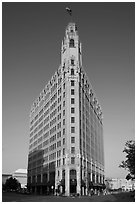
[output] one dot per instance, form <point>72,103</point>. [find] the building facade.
<point>66,152</point>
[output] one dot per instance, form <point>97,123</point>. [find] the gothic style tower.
<point>71,48</point>
<point>66,152</point>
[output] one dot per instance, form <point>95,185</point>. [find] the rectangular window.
<point>64,131</point>
<point>63,103</point>
<point>63,161</point>
<point>72,160</point>
<point>72,62</point>
<point>72,139</point>
<point>72,71</point>
<point>64,85</point>
<point>63,141</point>
<point>58,144</point>
<point>72,119</point>
<point>63,94</point>
<point>71,43</point>
<point>72,83</point>
<point>59,162</point>
<point>63,121</point>
<point>72,100</point>
<point>63,151</point>
<point>72,150</point>
<point>59,134</point>
<point>63,112</point>
<point>72,92</point>
<point>72,129</point>
<point>64,75</point>
<point>72,110</point>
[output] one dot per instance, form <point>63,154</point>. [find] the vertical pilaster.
<point>86,178</point>
<point>48,180</point>
<point>67,182</point>
<point>60,178</point>
<point>78,180</point>
<point>83,174</point>
<point>95,173</point>
<point>91,171</point>
<point>56,180</point>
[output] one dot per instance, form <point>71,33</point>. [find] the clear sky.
<point>32,35</point>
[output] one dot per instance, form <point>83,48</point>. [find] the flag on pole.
<point>69,11</point>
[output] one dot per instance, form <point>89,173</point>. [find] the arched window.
<point>71,43</point>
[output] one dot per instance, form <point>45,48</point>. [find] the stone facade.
<point>66,153</point>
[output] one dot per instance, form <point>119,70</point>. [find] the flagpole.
<point>71,18</point>
<point>69,12</point>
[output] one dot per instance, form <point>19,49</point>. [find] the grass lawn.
<point>14,197</point>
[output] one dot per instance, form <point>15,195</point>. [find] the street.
<point>120,197</point>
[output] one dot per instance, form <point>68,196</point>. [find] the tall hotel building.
<point>66,152</point>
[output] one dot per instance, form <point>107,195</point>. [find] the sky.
<point>31,47</point>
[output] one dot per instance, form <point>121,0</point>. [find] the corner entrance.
<point>73,181</point>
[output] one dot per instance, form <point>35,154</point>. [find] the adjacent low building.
<point>120,184</point>
<point>21,176</point>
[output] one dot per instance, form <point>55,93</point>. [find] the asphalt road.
<point>14,197</point>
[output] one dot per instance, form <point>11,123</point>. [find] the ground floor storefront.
<point>49,189</point>
<point>66,182</point>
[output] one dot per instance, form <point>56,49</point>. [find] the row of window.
<point>58,153</point>
<point>52,130</point>
<point>46,105</point>
<point>59,99</point>
<point>52,122</point>
<point>53,105</point>
<point>46,120</point>
<point>53,88</point>
<point>40,125</point>
<point>52,147</point>
<point>63,162</point>
<point>53,156</point>
<point>51,100</point>
<point>52,139</point>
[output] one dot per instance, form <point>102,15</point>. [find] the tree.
<point>12,184</point>
<point>129,163</point>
